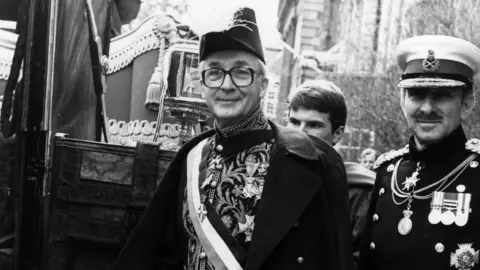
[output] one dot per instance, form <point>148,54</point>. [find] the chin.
<point>427,138</point>
<point>225,113</point>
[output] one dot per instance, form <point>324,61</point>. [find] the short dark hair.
<point>322,96</point>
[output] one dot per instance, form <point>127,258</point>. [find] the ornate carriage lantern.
<point>182,97</point>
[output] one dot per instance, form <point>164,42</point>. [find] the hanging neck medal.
<point>407,191</point>
<point>405,224</point>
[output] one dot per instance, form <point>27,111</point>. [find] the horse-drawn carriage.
<point>91,118</point>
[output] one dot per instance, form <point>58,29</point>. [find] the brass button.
<point>474,164</point>
<point>203,255</point>
<point>381,192</point>
<point>300,260</point>
<point>375,217</point>
<point>219,148</point>
<point>213,183</point>
<point>372,246</point>
<point>390,168</point>
<point>439,247</point>
<point>461,188</point>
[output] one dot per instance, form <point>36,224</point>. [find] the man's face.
<point>432,114</point>
<point>314,123</point>
<point>228,102</point>
<point>367,161</point>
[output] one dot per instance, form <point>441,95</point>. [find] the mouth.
<point>428,121</point>
<point>227,100</point>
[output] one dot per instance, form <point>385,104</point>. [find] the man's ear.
<point>264,87</point>
<point>338,134</point>
<point>468,102</point>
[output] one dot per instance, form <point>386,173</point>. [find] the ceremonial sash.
<point>216,249</point>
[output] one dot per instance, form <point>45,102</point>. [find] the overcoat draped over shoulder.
<point>302,220</point>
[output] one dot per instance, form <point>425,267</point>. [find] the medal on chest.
<point>465,257</point>
<point>445,207</point>
<point>405,224</point>
<point>449,208</point>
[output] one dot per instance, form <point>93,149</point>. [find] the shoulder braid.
<point>393,154</point>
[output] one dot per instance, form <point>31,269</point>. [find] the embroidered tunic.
<point>235,164</point>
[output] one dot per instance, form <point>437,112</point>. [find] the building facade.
<point>346,37</point>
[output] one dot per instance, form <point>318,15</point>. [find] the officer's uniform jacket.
<point>426,246</point>
<point>288,222</point>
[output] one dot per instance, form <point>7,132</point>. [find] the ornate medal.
<point>450,204</point>
<point>465,257</point>
<point>435,215</point>
<point>461,219</point>
<point>448,217</point>
<point>411,181</point>
<point>463,209</point>
<point>405,224</point>
<point>202,212</point>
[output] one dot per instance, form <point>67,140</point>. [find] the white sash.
<point>215,248</point>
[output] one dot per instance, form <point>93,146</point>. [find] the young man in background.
<point>318,108</point>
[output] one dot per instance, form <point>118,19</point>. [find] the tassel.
<point>155,85</point>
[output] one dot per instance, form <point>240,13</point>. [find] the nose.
<point>427,105</point>
<point>227,83</point>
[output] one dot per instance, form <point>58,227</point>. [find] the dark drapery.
<point>74,100</point>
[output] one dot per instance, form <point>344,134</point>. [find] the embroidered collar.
<point>256,121</point>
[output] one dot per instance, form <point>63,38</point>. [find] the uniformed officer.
<point>425,208</point>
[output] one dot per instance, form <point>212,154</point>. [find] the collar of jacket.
<point>453,145</point>
<point>291,141</point>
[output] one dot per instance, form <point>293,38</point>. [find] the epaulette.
<point>393,154</point>
<point>473,145</point>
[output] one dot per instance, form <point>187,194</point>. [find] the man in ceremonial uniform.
<point>247,194</point>
<point>318,108</point>
<point>424,212</point>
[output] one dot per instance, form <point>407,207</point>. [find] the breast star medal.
<point>405,224</point>
<point>411,181</point>
<point>464,258</point>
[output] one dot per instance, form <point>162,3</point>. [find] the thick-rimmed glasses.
<point>240,76</point>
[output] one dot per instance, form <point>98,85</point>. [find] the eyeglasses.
<point>240,76</point>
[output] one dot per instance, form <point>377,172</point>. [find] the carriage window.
<point>184,77</point>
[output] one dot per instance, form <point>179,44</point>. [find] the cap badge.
<point>465,257</point>
<point>430,64</point>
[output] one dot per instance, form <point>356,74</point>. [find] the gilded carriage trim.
<point>128,46</point>
<point>128,133</point>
